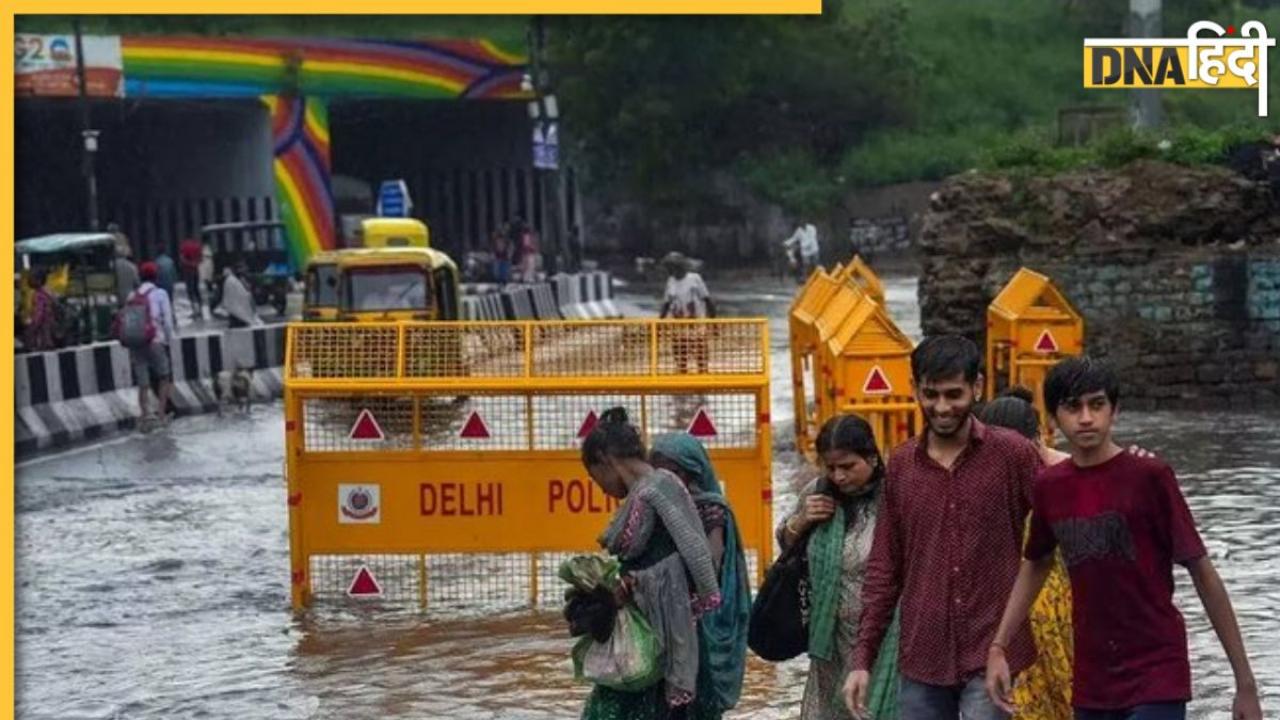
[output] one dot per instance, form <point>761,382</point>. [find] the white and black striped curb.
<point>579,296</point>
<point>86,392</point>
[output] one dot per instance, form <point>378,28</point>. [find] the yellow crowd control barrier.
<point>847,355</point>
<point>439,463</point>
<point>861,273</point>
<point>805,374</point>
<point>1030,326</point>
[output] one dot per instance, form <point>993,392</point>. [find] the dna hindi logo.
<point>1220,60</point>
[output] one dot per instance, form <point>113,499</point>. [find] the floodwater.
<point>152,580</point>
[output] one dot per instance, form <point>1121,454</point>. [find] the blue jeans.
<point>918,701</point>
<point>1153,711</point>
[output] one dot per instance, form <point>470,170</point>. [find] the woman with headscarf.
<point>722,633</point>
<point>1043,691</point>
<point>658,539</point>
<point>836,516</point>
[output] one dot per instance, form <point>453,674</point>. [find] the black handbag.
<point>779,627</point>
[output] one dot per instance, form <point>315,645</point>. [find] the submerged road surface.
<point>152,580</point>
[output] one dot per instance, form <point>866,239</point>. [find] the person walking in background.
<point>40,333</point>
<point>530,254</point>
<point>501,256</point>
<point>126,271</point>
<point>145,326</point>
<point>237,300</point>
<point>190,253</point>
<point>166,276</point>
<point>687,298</point>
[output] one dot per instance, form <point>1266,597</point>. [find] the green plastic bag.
<point>629,661</point>
<point>585,572</point>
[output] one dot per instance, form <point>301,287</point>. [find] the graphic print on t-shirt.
<point>1102,536</point>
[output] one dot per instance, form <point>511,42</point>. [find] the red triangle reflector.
<point>877,383</point>
<point>364,584</point>
<point>475,429</point>
<point>702,425</point>
<point>1046,343</point>
<point>588,425</point>
<point>366,427</point>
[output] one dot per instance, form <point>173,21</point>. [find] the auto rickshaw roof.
<point>373,257</point>
<point>233,226</point>
<point>331,257</point>
<point>63,243</point>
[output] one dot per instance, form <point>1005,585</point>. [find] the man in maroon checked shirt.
<point>948,540</point>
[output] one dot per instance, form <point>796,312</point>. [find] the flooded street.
<point>153,581</point>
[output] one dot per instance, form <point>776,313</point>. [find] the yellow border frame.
<point>316,7</point>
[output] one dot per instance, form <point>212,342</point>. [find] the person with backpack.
<point>145,326</point>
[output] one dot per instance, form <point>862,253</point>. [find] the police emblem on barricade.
<point>359,504</point>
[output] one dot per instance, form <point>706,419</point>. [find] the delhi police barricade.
<point>438,464</point>
<point>1030,327</point>
<point>848,356</point>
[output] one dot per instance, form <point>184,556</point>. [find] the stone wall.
<point>880,236</point>
<point>1176,272</point>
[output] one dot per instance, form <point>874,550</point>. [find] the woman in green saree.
<point>722,633</point>
<point>666,568</point>
<point>837,515</point>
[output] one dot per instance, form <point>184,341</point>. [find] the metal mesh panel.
<point>397,575</point>
<point>559,420</point>
<point>467,581</point>
<point>465,350</point>
<point>346,351</point>
<point>476,422</point>
<point>719,420</point>
<point>710,347</point>
<point>456,582</point>
<point>329,423</point>
<point>591,349</point>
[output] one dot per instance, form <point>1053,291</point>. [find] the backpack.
<point>133,325</point>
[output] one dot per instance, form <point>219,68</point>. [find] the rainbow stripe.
<point>300,133</point>
<point>172,66</point>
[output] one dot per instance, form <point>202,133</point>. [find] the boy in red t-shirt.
<point>1121,523</point>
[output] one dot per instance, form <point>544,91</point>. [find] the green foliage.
<point>656,105</point>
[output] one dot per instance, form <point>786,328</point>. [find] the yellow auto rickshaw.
<point>404,283</point>
<point>320,301</point>
<point>382,232</point>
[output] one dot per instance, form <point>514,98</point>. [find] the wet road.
<point>152,581</point>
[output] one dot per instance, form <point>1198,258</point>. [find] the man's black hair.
<point>614,436</point>
<point>945,356</point>
<point>1077,376</point>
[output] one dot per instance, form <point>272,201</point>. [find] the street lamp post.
<point>88,135</point>
<point>544,113</point>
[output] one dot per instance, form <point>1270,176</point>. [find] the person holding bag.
<point>831,528</point>
<point>666,569</point>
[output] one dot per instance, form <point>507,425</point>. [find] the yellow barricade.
<point>806,381</point>
<point>847,355</point>
<point>439,463</point>
<point>862,274</point>
<point>869,361</point>
<point>1030,327</point>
